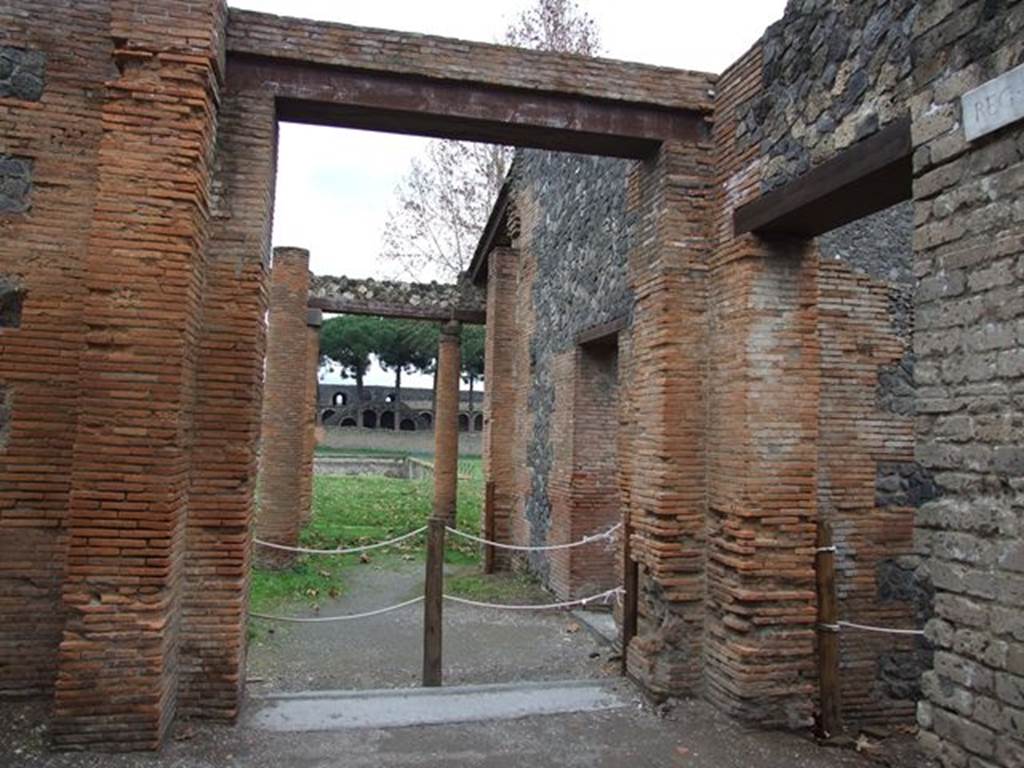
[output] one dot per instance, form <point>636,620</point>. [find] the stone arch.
<point>369,419</point>
<point>326,415</point>
<point>425,420</point>
<point>340,398</point>
<point>387,420</point>
<point>478,422</point>
<point>348,422</point>
<point>407,424</point>
<point>463,422</point>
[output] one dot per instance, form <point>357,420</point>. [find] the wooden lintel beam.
<point>319,94</point>
<point>605,333</point>
<point>868,177</point>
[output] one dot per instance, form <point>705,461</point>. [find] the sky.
<point>335,187</point>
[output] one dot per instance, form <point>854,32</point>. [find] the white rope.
<point>547,607</point>
<point>543,548</point>
<point>868,628</point>
<point>326,619</point>
<point>886,630</point>
<point>349,551</point>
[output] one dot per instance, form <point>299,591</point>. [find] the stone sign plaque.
<point>994,104</point>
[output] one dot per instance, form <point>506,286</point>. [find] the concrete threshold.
<point>398,708</point>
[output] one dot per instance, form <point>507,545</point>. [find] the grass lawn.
<point>349,511</point>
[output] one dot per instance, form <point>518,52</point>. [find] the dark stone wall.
<point>577,228</point>
<point>969,347</point>
<point>835,71</point>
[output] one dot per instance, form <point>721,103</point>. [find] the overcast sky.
<point>335,186</point>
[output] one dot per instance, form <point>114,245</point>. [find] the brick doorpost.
<point>446,422</point>
<point>284,407</point>
<point>229,393</point>
<point>500,392</point>
<point>667,498</point>
<point>117,663</point>
<point>314,319</point>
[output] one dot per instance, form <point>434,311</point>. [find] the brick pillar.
<point>284,406</point>
<point>446,422</point>
<point>762,445</point>
<point>499,394</point>
<point>314,319</point>
<point>667,500</point>
<point>229,391</point>
<point>117,680</point>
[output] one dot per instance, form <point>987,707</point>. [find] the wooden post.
<point>631,598</point>
<point>828,634</point>
<point>433,602</point>
<point>489,526</point>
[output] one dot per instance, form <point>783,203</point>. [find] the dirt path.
<point>480,646</point>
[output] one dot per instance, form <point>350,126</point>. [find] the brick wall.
<point>42,252</point>
<point>970,367</point>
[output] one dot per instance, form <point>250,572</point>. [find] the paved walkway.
<point>691,736</point>
<point>598,721</point>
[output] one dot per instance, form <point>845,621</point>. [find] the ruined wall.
<point>868,483</point>
<point>969,347</point>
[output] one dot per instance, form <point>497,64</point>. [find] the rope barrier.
<point>546,607</point>
<point>349,551</point>
<point>607,535</point>
<point>464,601</point>
<point>327,619</point>
<point>868,628</point>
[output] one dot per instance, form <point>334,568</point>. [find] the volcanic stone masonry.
<point>872,377</point>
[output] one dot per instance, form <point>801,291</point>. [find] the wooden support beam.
<point>605,333</point>
<point>433,603</point>
<point>828,632</point>
<point>870,176</point>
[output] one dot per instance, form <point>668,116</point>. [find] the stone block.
<point>15,184</point>
<point>22,73</point>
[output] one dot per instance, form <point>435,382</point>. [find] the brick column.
<point>284,400</point>
<point>314,319</point>
<point>229,392</point>
<point>446,422</point>
<point>499,394</point>
<point>117,679</point>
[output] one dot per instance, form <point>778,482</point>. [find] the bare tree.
<point>443,202</point>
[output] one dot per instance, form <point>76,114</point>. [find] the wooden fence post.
<point>828,634</point>
<point>631,598</point>
<point>433,602</point>
<point>489,526</point>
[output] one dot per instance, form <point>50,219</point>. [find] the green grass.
<point>351,511</point>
